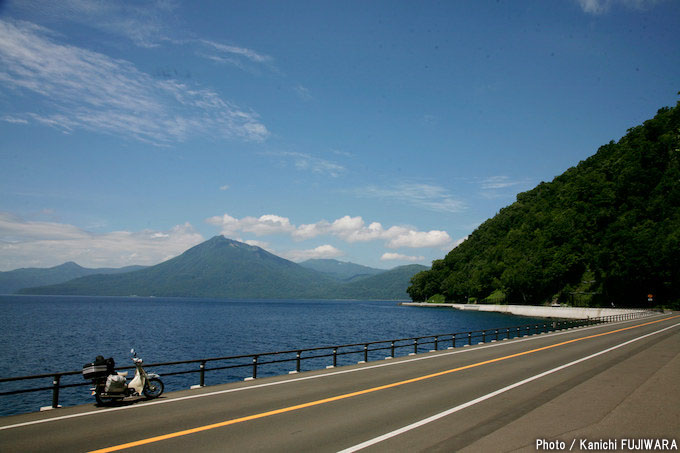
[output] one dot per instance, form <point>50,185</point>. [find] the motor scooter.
<point>111,386</point>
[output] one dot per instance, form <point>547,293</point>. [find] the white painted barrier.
<point>535,311</point>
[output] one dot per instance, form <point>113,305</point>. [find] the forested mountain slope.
<point>606,231</point>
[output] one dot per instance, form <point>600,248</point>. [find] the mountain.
<point>340,270</point>
<point>604,232</point>
<point>389,285</point>
<point>223,268</point>
<point>218,267</point>
<point>12,281</point>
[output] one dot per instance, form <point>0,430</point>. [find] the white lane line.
<point>404,360</point>
<point>448,412</point>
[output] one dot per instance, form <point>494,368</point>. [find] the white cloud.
<point>322,251</point>
<point>418,239</point>
<point>307,162</point>
<point>498,182</point>
<point>602,6</point>
<point>140,22</point>
<point>495,186</point>
<point>224,187</point>
<point>10,119</point>
<point>264,225</point>
<point>242,58</point>
<point>44,244</point>
<point>349,229</point>
<point>261,244</point>
<point>400,257</point>
<point>237,51</point>
<point>303,93</point>
<point>82,89</point>
<point>426,196</point>
<point>146,23</point>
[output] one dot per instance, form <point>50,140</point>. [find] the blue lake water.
<point>47,334</point>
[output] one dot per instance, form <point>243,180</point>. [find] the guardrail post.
<point>365,353</point>
<point>202,374</point>
<point>436,343</point>
<point>496,334</point>
<point>297,361</point>
<point>453,340</point>
<point>335,357</point>
<point>508,333</point>
<point>483,336</point>
<point>254,367</point>
<point>415,346</point>
<point>392,350</point>
<point>55,391</point>
<point>469,338</point>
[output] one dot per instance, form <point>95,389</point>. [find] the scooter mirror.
<point>132,351</point>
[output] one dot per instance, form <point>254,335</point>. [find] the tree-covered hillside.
<point>606,231</point>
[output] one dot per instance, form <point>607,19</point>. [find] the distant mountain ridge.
<point>341,270</point>
<point>13,281</point>
<point>389,284</point>
<point>224,268</point>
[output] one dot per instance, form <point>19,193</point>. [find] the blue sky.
<point>381,133</point>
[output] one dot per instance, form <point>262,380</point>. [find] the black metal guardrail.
<point>414,344</point>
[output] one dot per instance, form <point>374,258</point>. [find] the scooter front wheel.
<point>154,388</point>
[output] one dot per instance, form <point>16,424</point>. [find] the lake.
<point>47,334</point>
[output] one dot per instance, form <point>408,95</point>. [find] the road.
<point>608,382</point>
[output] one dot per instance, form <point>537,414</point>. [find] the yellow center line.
<point>360,392</point>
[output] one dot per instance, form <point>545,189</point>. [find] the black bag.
<point>111,365</point>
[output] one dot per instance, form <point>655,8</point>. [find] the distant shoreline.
<point>534,311</point>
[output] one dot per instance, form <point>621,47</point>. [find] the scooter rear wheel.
<point>154,388</point>
<point>103,401</point>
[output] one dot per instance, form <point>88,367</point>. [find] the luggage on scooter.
<point>115,384</point>
<point>98,369</point>
<point>92,371</point>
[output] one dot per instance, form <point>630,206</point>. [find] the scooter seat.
<point>122,373</point>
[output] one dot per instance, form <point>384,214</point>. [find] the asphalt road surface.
<point>563,391</point>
